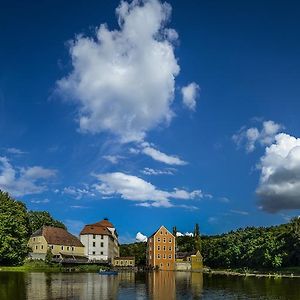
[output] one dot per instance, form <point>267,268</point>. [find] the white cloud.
<point>189,95</point>
<point>133,188</point>
<point>15,151</point>
<point>150,171</point>
<point>140,237</point>
<point>162,157</point>
<point>178,233</point>
<point>279,186</point>
<point>252,136</point>
<point>114,159</point>
<point>43,201</point>
<point>123,80</point>
<point>25,181</point>
<point>239,212</point>
<point>78,193</point>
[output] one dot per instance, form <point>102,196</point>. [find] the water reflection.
<point>156,285</point>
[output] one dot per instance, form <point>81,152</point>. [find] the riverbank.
<point>292,272</point>
<point>40,266</point>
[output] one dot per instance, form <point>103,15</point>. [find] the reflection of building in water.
<point>126,276</point>
<point>71,286</point>
<point>196,283</point>
<point>162,285</point>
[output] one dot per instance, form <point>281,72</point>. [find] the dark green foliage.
<point>49,256</point>
<point>136,249</point>
<point>272,247</point>
<point>14,230</point>
<point>38,219</point>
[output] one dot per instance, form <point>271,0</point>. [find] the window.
<point>170,240</point>
<point>117,262</point>
<point>68,248</point>
<point>166,233</point>
<point>94,252</point>
<point>161,265</point>
<point>42,247</point>
<point>94,236</point>
<point>170,255</point>
<point>73,249</point>
<point>158,255</point>
<point>158,239</point>
<point>150,240</point>
<point>130,262</point>
<point>164,240</point>
<point>36,247</point>
<point>102,244</point>
<point>164,248</point>
<point>158,248</point>
<point>52,247</point>
<point>101,236</point>
<point>170,248</point>
<point>62,247</point>
<point>164,256</point>
<point>168,265</point>
<point>150,257</point>
<point>101,252</point>
<point>161,232</point>
<point>94,244</point>
<point>121,262</point>
<point>34,239</point>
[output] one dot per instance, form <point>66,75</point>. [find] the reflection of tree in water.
<point>12,286</point>
<point>189,283</point>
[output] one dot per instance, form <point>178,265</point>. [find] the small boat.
<point>108,273</point>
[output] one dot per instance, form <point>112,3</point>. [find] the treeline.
<point>16,226</point>
<point>251,247</point>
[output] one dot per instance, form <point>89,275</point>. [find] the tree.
<point>197,238</point>
<point>174,231</point>
<point>38,219</point>
<point>49,256</point>
<point>14,230</point>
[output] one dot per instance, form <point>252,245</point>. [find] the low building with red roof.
<point>58,240</point>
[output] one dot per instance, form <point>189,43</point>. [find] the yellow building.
<point>161,250</point>
<point>189,261</point>
<point>60,241</point>
<point>124,262</point>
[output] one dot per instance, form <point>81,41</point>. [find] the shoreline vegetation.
<point>40,266</point>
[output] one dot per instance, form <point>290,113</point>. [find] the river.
<point>157,285</point>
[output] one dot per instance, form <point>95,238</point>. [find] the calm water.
<point>161,285</point>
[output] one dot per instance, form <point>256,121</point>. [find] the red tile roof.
<point>98,228</point>
<point>58,236</point>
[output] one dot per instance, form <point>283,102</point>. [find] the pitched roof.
<point>98,228</point>
<point>162,226</point>
<point>95,229</point>
<point>58,236</point>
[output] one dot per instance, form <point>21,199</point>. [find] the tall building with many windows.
<point>100,241</point>
<point>161,250</point>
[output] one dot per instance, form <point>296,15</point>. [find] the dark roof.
<point>58,236</point>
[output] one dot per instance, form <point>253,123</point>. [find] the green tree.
<point>38,219</point>
<point>49,256</point>
<point>197,238</point>
<point>14,230</point>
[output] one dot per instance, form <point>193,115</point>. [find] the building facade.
<point>124,262</point>
<point>58,240</point>
<point>161,250</point>
<point>100,241</point>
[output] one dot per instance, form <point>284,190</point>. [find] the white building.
<point>100,241</point>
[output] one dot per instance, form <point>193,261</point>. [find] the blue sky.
<point>174,114</point>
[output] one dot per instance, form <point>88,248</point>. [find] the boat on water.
<point>111,273</point>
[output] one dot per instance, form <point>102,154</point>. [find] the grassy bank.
<point>40,266</point>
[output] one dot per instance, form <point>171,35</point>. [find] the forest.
<point>252,247</point>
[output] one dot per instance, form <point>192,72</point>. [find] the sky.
<point>152,113</point>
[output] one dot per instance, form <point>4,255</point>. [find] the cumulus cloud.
<point>190,94</point>
<point>123,80</point>
<point>160,156</point>
<point>133,188</point>
<point>24,181</point>
<point>150,171</point>
<point>184,234</point>
<point>140,237</point>
<point>279,186</point>
<point>250,137</point>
